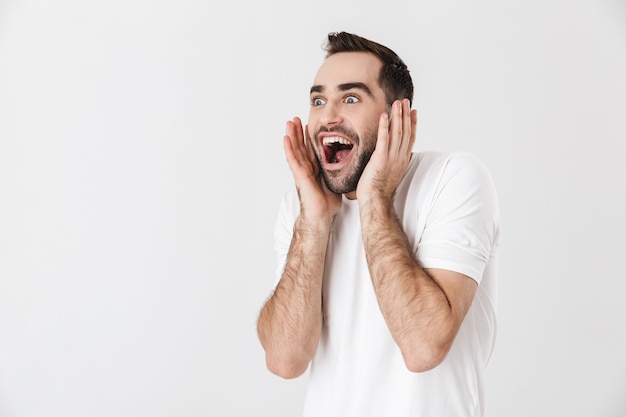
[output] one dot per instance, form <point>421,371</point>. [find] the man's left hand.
<point>390,159</point>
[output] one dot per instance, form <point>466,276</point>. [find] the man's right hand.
<point>317,202</point>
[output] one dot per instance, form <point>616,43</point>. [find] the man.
<point>386,257</point>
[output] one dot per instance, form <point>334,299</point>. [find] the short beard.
<point>351,181</point>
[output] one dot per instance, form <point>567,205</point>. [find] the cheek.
<point>370,123</point>
<point>370,137</point>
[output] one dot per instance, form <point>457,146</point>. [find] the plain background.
<point>141,168</point>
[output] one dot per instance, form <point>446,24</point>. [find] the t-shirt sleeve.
<point>283,230</point>
<point>462,225</point>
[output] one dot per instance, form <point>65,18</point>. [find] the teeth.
<point>335,139</point>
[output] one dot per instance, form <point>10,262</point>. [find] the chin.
<point>341,183</point>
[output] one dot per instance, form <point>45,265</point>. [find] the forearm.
<point>290,323</point>
<point>415,308</point>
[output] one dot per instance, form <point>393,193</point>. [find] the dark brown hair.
<point>394,77</point>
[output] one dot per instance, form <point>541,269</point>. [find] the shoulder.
<point>446,160</point>
<point>446,182</point>
<point>440,167</point>
<point>432,168</point>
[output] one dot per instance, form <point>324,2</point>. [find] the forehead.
<point>348,67</point>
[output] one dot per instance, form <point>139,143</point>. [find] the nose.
<point>331,114</point>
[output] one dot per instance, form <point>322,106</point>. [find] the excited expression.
<point>346,104</point>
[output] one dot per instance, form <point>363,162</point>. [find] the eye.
<point>317,101</point>
<point>352,99</point>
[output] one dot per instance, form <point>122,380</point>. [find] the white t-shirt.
<point>448,208</point>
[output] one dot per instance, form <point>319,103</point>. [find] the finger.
<point>310,151</point>
<point>294,132</point>
<point>293,144</point>
<point>382,143</point>
<point>413,130</point>
<point>290,131</point>
<point>298,129</point>
<point>395,133</point>
<point>406,128</point>
<point>290,155</point>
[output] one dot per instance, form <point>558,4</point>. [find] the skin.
<point>423,308</point>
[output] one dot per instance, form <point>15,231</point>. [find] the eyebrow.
<point>345,87</point>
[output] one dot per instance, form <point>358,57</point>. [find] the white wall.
<point>141,168</point>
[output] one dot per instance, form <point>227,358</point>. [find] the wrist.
<point>315,224</point>
<point>376,200</point>
<point>378,192</point>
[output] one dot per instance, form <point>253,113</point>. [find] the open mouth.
<point>336,149</point>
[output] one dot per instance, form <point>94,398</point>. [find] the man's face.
<point>346,104</point>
